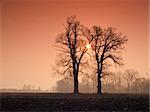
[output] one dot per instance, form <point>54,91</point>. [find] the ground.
<point>71,102</point>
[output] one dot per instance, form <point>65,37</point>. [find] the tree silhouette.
<point>129,77</point>
<point>113,80</point>
<point>107,44</point>
<point>72,44</point>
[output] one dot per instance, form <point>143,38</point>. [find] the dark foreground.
<point>70,102</point>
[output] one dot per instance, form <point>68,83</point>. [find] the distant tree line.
<point>128,81</point>
<point>27,88</point>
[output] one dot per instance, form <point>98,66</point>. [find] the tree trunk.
<point>75,73</point>
<point>93,85</point>
<point>99,87</point>
<point>128,88</point>
<point>76,91</point>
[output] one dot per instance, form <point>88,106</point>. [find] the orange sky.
<point>29,29</point>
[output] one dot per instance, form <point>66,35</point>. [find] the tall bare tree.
<point>107,45</point>
<point>72,44</point>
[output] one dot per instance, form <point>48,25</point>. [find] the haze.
<point>29,28</point>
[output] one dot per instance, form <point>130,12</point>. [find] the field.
<point>70,102</point>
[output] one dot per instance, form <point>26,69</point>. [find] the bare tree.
<point>107,45</point>
<point>129,77</point>
<point>113,79</point>
<point>64,85</point>
<point>72,44</point>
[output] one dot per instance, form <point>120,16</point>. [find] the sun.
<point>88,46</point>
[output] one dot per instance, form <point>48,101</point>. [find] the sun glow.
<point>88,46</point>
